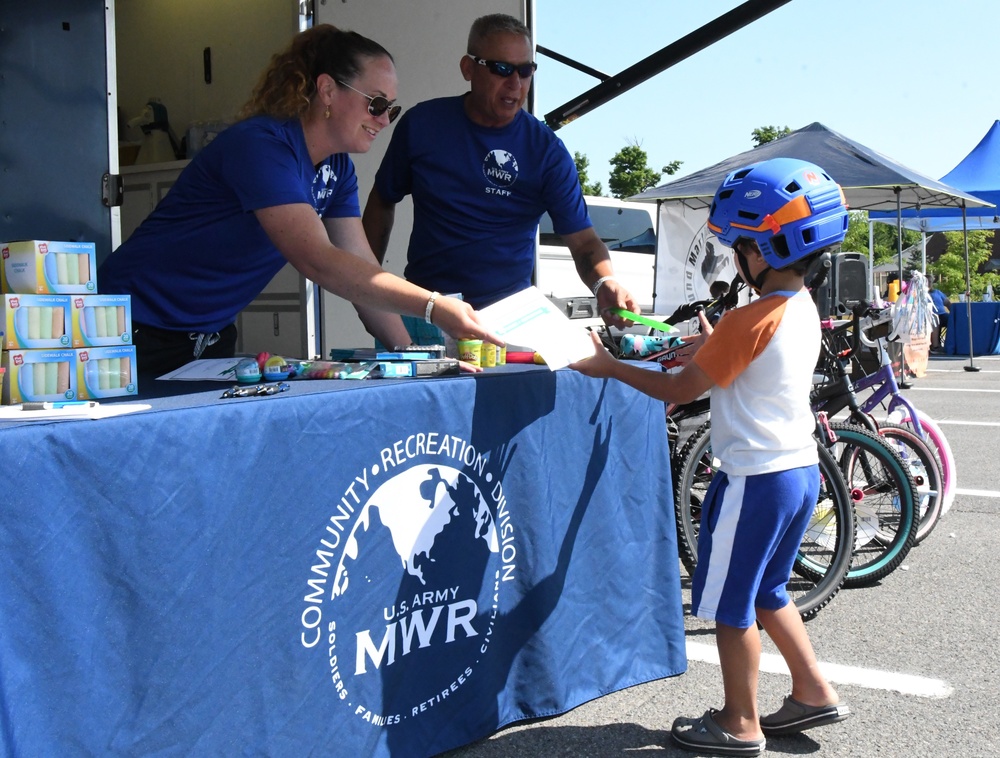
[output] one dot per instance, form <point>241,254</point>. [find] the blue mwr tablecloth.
<point>985,329</point>
<point>372,568</point>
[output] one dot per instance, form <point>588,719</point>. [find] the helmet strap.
<point>756,283</point>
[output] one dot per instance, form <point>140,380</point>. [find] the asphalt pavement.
<point>915,656</point>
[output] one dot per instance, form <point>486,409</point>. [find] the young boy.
<point>777,216</point>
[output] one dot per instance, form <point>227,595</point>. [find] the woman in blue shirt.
<point>278,186</point>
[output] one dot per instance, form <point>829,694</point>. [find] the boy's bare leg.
<point>739,656</point>
<point>786,629</point>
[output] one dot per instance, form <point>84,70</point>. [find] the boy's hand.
<point>683,355</point>
<point>601,365</point>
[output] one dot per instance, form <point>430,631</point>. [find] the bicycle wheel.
<point>923,467</point>
<point>693,469</point>
<point>825,554</point>
<point>938,444</point>
<point>885,511</point>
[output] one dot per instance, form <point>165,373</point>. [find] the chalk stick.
<point>72,270</point>
<point>34,318</point>
<point>52,378</point>
<point>110,321</point>
<point>44,322</point>
<point>84,264</point>
<point>89,322</point>
<point>62,380</point>
<point>62,275</point>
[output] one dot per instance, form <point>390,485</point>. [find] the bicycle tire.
<point>692,476</point>
<point>884,496</point>
<point>938,443</point>
<point>825,554</point>
<point>926,473</point>
<point>827,546</point>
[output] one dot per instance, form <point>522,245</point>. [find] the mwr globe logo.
<point>323,184</point>
<point>406,583</point>
<point>500,168</point>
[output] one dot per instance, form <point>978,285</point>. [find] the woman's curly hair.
<point>288,84</point>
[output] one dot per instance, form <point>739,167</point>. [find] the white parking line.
<point>969,423</point>
<point>873,679</point>
<point>977,493</point>
<point>948,389</point>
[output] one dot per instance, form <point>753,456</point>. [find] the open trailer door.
<point>56,132</point>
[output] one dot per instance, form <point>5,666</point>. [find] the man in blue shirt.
<point>942,306</point>
<point>482,171</point>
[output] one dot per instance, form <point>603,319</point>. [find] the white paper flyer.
<point>530,319</point>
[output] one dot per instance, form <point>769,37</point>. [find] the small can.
<point>502,356</point>
<point>488,357</point>
<point>470,351</point>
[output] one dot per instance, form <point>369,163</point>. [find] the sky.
<point>912,79</point>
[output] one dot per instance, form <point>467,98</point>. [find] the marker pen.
<point>49,406</point>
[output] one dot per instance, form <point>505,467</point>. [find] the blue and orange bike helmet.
<point>791,208</point>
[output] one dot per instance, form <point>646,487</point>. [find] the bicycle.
<point>836,392</point>
<point>899,410</point>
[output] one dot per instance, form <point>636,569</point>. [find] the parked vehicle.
<point>629,231</point>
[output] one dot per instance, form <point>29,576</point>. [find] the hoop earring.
<point>326,113</point>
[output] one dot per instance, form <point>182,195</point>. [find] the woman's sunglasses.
<point>500,68</point>
<point>377,105</point>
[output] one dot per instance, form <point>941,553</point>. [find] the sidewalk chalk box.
<point>101,320</point>
<point>39,375</point>
<point>36,322</point>
<point>418,368</point>
<point>41,267</point>
<point>106,372</point>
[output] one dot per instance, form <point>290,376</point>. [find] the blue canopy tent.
<point>978,174</point>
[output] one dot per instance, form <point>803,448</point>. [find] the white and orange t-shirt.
<point>761,358</point>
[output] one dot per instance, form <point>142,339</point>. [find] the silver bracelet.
<point>430,307</point>
<point>600,282</point>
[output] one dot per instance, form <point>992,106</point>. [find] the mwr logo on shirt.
<point>323,186</point>
<point>500,170</point>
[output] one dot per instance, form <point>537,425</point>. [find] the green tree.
<point>582,164</point>
<point>764,134</point>
<point>630,173</point>
<point>949,269</point>
<point>885,246</point>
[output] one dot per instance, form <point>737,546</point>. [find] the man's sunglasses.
<point>377,105</point>
<point>500,68</point>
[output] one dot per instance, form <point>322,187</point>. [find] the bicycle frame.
<point>842,392</point>
<point>883,380</point>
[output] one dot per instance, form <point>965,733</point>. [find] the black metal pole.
<point>903,384</point>
<point>648,67</point>
<point>968,289</point>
